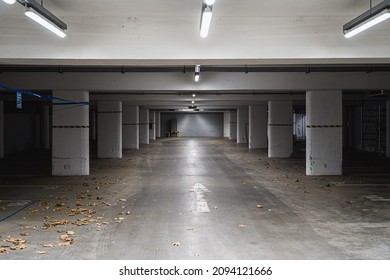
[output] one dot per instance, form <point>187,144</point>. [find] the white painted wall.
<point>233,125</point>
<point>226,124</point>
<point>242,125</point>
<point>143,125</point>
<point>195,124</point>
<point>258,126</point>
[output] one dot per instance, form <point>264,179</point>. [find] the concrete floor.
<point>197,199</point>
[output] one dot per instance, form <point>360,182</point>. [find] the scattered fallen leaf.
<point>259,206</point>
<point>128,213</point>
<point>3,208</point>
<point>123,200</point>
<point>25,234</point>
<point>176,244</point>
<point>41,252</point>
<point>99,198</point>
<point>70,232</point>
<point>242,226</point>
<point>64,244</point>
<point>106,204</point>
<point>61,204</point>
<point>18,247</point>
<point>3,251</point>
<point>48,245</point>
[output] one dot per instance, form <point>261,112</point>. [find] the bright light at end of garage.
<point>13,1</point>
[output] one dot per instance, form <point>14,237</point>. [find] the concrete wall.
<point>18,132</point>
<point>226,124</point>
<point>194,124</point>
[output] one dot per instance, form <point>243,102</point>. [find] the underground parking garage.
<point>182,151</point>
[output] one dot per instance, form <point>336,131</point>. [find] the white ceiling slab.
<point>165,32</point>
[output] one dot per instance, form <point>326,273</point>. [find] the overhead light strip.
<point>372,17</point>
<point>44,22</point>
<point>206,16</point>
<point>10,2</point>
<point>41,15</point>
<point>197,73</point>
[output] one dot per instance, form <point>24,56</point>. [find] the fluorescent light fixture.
<point>197,73</point>
<point>193,95</point>
<point>375,15</point>
<point>209,2</point>
<point>10,2</point>
<point>205,21</point>
<point>45,23</point>
<point>193,102</point>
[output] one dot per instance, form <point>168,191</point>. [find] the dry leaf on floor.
<point>64,244</point>
<point>3,251</point>
<point>41,252</point>
<point>19,247</point>
<point>3,208</point>
<point>242,226</point>
<point>25,234</point>
<point>70,232</point>
<point>259,206</point>
<point>123,200</point>
<point>106,204</point>
<point>176,244</point>
<point>61,204</point>
<point>48,245</point>
<point>128,213</point>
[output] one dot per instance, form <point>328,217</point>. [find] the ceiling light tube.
<point>10,2</point>
<point>197,73</point>
<point>44,22</point>
<point>205,20</point>
<point>375,15</point>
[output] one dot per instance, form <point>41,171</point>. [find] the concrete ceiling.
<point>165,32</point>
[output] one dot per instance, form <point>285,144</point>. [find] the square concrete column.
<point>242,125</point>
<point>130,127</point>
<point>152,125</point>
<point>158,124</point>
<point>324,146</point>
<point>280,129</point>
<point>109,129</point>
<point>70,141</point>
<point>258,124</point>
<point>226,124</point>
<point>1,129</point>
<point>143,126</point>
<point>233,125</point>
<point>388,128</point>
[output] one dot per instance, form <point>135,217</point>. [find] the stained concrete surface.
<point>142,206</point>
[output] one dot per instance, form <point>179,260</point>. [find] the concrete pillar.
<point>226,124</point>
<point>130,127</point>
<point>242,125</point>
<point>233,125</point>
<point>280,129</point>
<point>388,128</point>
<point>45,127</point>
<point>70,156</point>
<point>109,129</point>
<point>324,146</point>
<point>158,124</point>
<point>258,123</point>
<point>152,125</point>
<point>1,129</point>
<point>143,126</point>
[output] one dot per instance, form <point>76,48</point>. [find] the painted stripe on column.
<point>109,112</point>
<point>70,126</point>
<point>130,123</point>
<point>280,124</point>
<point>323,126</point>
<point>144,123</point>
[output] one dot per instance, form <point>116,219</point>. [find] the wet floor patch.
<point>8,208</point>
